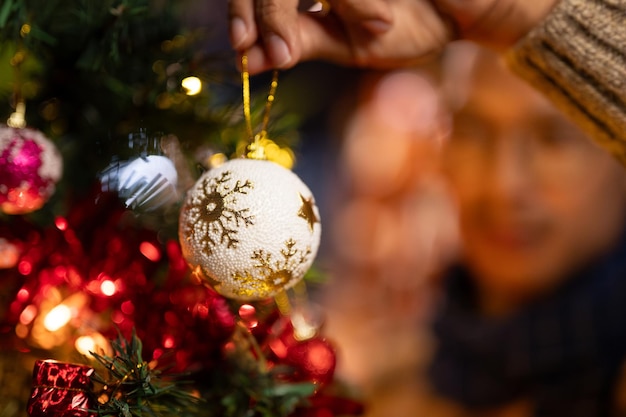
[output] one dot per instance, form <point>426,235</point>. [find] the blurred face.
<point>537,199</point>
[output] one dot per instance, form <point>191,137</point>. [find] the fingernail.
<point>278,50</point>
<point>238,32</point>
<point>377,26</point>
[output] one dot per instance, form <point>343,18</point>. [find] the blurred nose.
<point>510,167</point>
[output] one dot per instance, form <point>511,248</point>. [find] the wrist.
<point>531,14</point>
<point>502,23</point>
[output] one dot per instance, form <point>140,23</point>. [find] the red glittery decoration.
<point>98,250</point>
<point>191,321</point>
<point>61,390</point>
<point>312,360</point>
<point>24,187</point>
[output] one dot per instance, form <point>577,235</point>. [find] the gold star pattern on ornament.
<point>307,211</point>
<point>212,218</point>
<point>269,277</point>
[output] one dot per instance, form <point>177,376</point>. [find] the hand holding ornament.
<point>374,33</point>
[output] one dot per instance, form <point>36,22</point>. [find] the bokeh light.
<point>107,287</point>
<point>191,85</point>
<point>58,317</point>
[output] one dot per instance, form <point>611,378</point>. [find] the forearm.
<point>577,57</point>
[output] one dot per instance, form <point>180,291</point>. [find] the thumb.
<point>374,15</point>
<point>278,27</point>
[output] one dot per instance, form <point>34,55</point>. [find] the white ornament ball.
<point>30,167</point>
<point>146,183</point>
<point>251,226</point>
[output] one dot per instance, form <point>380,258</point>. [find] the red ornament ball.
<point>313,360</point>
<point>30,166</point>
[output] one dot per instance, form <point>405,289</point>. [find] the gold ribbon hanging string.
<point>17,119</point>
<point>255,148</point>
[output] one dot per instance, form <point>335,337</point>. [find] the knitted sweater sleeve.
<point>577,58</point>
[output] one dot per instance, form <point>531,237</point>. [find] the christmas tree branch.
<point>130,387</point>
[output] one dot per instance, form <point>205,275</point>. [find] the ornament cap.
<point>17,120</point>
<point>256,149</point>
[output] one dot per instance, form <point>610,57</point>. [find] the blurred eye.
<point>471,142</point>
<point>470,129</point>
<point>558,132</point>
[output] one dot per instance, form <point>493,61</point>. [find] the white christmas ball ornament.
<point>251,226</point>
<point>146,183</point>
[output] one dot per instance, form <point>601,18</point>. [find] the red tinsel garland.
<point>127,278</point>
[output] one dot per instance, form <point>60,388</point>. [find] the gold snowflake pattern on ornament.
<point>212,218</point>
<point>307,211</point>
<point>270,276</point>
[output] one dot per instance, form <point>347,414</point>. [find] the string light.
<point>191,85</point>
<point>84,345</point>
<point>93,342</point>
<point>150,251</point>
<point>107,287</point>
<point>58,317</point>
<point>24,30</point>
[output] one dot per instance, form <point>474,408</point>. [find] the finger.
<point>374,15</point>
<point>258,60</point>
<point>242,26</point>
<point>278,25</point>
<point>322,38</point>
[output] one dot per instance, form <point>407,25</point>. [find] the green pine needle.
<point>235,387</point>
<point>130,388</point>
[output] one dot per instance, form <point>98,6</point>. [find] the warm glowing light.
<point>85,345</point>
<point>24,30</point>
<point>93,286</point>
<point>9,254</point>
<point>201,310</point>
<point>168,342</point>
<point>60,223</point>
<point>22,295</point>
<point>229,346</point>
<point>150,251</point>
<point>127,307</point>
<point>247,313</point>
<point>302,329</point>
<point>21,331</point>
<point>117,317</point>
<point>28,314</point>
<point>60,271</point>
<point>192,85</point>
<point>107,287</point>
<point>93,342</point>
<point>157,354</point>
<point>24,267</point>
<point>58,317</point>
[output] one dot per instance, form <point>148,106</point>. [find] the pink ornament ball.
<point>30,166</point>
